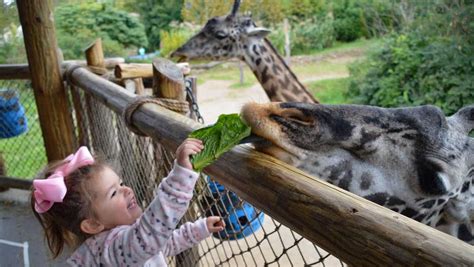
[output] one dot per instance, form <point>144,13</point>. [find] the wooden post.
<point>36,19</point>
<point>241,73</point>
<point>100,118</point>
<point>168,82</point>
<point>286,30</point>
<point>3,171</point>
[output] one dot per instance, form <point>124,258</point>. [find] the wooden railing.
<point>353,229</point>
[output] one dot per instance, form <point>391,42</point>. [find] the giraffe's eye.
<point>221,35</point>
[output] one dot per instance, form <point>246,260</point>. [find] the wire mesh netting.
<point>251,238</point>
<point>21,143</point>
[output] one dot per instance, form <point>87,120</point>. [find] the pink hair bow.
<point>53,189</point>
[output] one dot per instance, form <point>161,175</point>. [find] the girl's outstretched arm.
<point>134,245</point>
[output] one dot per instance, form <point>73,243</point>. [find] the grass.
<point>331,91</point>
<point>338,47</point>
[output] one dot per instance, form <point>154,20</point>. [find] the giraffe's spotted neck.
<point>276,78</point>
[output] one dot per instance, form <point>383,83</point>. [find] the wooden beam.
<point>18,183</point>
<point>22,71</point>
<point>14,72</point>
<point>137,70</point>
<point>351,228</point>
<point>133,70</point>
<point>36,19</point>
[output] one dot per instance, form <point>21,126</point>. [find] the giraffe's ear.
<point>258,32</point>
<point>464,118</point>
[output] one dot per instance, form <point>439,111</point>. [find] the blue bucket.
<point>241,218</point>
<point>12,114</point>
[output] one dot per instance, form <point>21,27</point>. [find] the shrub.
<point>414,69</point>
<point>312,34</point>
<point>348,19</point>
<point>354,19</point>
<point>173,39</point>
<point>277,38</point>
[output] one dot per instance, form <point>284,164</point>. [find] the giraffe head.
<point>223,37</point>
<point>412,160</point>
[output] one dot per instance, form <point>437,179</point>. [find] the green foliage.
<point>8,15</point>
<point>299,10</point>
<point>173,39</point>
<point>219,138</point>
<point>12,48</point>
<point>277,38</point>
<point>423,65</point>
<point>330,91</point>
<point>354,19</point>
<point>157,17</point>
<point>312,34</point>
<point>79,24</point>
<point>348,24</point>
<point>268,12</point>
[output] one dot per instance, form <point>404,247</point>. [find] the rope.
<point>171,104</point>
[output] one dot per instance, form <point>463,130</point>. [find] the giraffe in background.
<point>235,36</point>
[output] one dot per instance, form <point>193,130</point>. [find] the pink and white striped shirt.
<point>154,235</point>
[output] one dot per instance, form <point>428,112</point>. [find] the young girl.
<point>83,202</point>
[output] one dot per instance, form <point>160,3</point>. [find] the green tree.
<point>157,16</point>
<point>8,15</point>
<point>79,24</point>
<point>300,10</point>
<point>267,11</point>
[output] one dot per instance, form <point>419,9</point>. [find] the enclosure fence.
<point>251,238</point>
<point>323,214</point>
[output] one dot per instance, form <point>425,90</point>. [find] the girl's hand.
<point>190,146</point>
<point>215,224</point>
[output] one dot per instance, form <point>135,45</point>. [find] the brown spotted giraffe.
<point>235,36</point>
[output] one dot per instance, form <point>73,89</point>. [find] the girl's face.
<point>113,203</point>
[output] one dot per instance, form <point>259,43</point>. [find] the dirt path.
<point>215,97</point>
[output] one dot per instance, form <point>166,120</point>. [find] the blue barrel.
<point>12,114</point>
<point>241,218</point>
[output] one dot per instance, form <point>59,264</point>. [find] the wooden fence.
<point>353,229</point>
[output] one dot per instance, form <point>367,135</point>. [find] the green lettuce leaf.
<point>218,139</point>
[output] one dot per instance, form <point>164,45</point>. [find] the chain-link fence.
<point>21,142</point>
<point>251,238</point>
